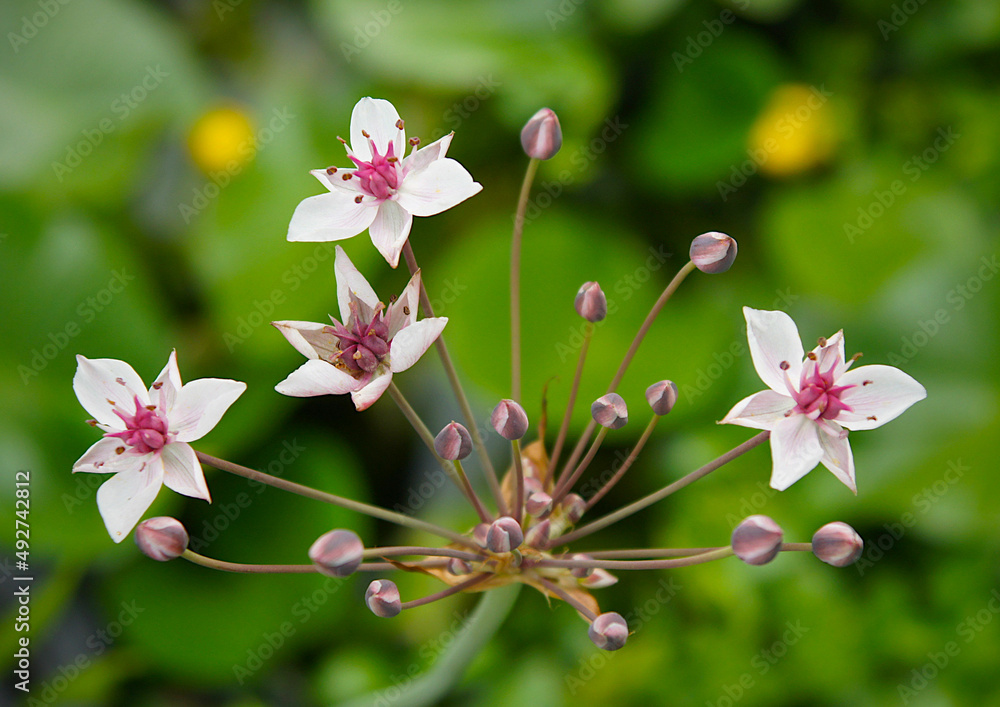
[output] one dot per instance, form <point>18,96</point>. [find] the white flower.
<point>386,190</point>
<point>813,398</point>
<point>359,355</point>
<point>146,434</point>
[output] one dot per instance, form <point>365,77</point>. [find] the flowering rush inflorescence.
<point>528,526</point>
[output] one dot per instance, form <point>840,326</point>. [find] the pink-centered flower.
<point>145,444</point>
<point>359,353</point>
<point>814,397</point>
<point>384,190</point>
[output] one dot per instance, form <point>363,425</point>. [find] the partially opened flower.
<point>385,190</point>
<point>358,354</point>
<point>813,397</point>
<point>146,434</point>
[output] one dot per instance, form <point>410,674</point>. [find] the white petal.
<point>182,471</point>
<point>761,410</point>
<point>773,339</point>
<point>419,160</point>
<point>438,187</point>
<point>881,393</point>
<point>372,390</point>
<point>316,378</point>
<point>329,217</point>
<point>412,341</point>
<point>101,384</point>
<point>294,332</point>
<point>349,279</point>
<point>163,392</point>
<point>103,457</point>
<point>833,352</point>
<point>837,456</point>
<point>795,450</point>
<point>124,497</point>
<point>200,405</point>
<point>378,118</point>
<point>403,312</point>
<point>390,230</point>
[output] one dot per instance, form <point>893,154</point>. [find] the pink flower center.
<point>145,431</point>
<point>363,344</point>
<point>818,396</point>
<point>380,177</point>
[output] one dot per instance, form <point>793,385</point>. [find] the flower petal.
<point>378,118</point>
<point>831,355</point>
<point>403,312</point>
<point>412,341</point>
<point>419,160</point>
<point>316,378</point>
<point>795,450</point>
<point>336,181</point>
<point>773,339</point>
<point>349,279</point>
<point>101,384</point>
<point>438,187</point>
<point>164,390</point>
<point>308,338</point>
<point>103,457</point>
<point>761,410</point>
<point>837,455</point>
<point>329,217</point>
<point>124,497</point>
<point>365,396</point>
<point>200,405</point>
<point>182,471</point>
<point>390,230</point>
<point>880,393</point>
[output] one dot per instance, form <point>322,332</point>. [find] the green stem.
<point>515,281</point>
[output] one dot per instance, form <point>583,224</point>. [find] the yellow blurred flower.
<point>222,139</point>
<point>795,131</point>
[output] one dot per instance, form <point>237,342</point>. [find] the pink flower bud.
<point>837,544</point>
<point>581,572</point>
<point>382,598</point>
<point>538,535</point>
<point>573,507</point>
<point>757,540</point>
<point>479,534</point>
<point>337,553</point>
<point>541,137</point>
<point>599,579</point>
<point>713,252</point>
<point>505,534</point>
<point>162,538</point>
<point>610,411</point>
<point>453,442</point>
<point>609,631</point>
<point>509,420</point>
<point>458,567</point>
<point>662,397</point>
<point>590,302</point>
<point>538,504</point>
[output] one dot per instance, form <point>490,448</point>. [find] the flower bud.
<point>713,252</point>
<point>610,411</point>
<point>505,534</point>
<point>382,597</point>
<point>608,631</point>
<point>573,507</point>
<point>757,540</point>
<point>337,553</point>
<point>541,136</point>
<point>479,534</point>
<point>662,397</point>
<point>837,544</point>
<point>598,579</point>
<point>581,572</point>
<point>509,420</point>
<point>590,302</point>
<point>538,534</point>
<point>162,538</point>
<point>454,442</point>
<point>538,504</point>
<point>458,567</point>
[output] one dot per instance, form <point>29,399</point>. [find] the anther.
<point>358,199</point>
<point>157,385</point>
<point>345,176</point>
<point>856,356</point>
<point>811,356</point>
<point>365,133</point>
<point>822,341</point>
<point>331,170</point>
<point>120,450</point>
<point>872,418</point>
<point>406,311</point>
<point>399,125</point>
<point>414,141</point>
<point>120,381</point>
<point>784,365</point>
<point>867,382</point>
<point>150,407</point>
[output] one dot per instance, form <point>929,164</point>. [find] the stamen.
<point>399,124</point>
<point>92,423</point>
<point>365,133</point>
<point>406,311</point>
<point>150,407</point>
<point>358,199</point>
<point>342,140</point>
<point>392,160</point>
<point>784,365</point>
<point>811,356</point>
<point>157,385</point>
<point>110,402</point>
<point>414,141</point>
<point>867,382</point>
<point>331,170</point>
<point>872,418</point>
<point>856,356</point>
<point>822,341</point>
<point>120,450</point>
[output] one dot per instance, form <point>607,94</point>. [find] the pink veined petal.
<point>412,341</point>
<point>350,279</point>
<point>774,338</point>
<point>316,378</point>
<point>163,392</point>
<point>293,331</point>
<point>880,393</point>
<point>419,160</point>
<point>378,118</point>
<point>390,230</point>
<point>403,312</point>
<point>837,456</point>
<point>761,410</point>
<point>200,405</point>
<point>329,217</point>
<point>795,450</point>
<point>436,188</point>
<point>182,471</point>
<point>366,396</point>
<point>101,384</point>
<point>124,497</point>
<point>103,457</point>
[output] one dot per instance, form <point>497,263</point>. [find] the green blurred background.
<point>151,155</point>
